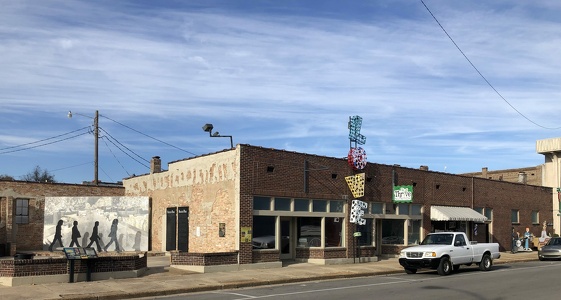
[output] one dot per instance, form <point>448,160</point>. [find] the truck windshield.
<point>438,239</point>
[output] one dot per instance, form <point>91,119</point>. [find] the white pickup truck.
<point>446,251</point>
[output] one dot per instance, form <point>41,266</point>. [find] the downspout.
<point>472,193</point>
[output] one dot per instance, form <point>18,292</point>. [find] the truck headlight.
<point>430,254</point>
<point>402,255</point>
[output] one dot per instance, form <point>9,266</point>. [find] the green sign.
<point>402,194</point>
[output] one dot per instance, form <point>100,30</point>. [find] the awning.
<point>452,213</point>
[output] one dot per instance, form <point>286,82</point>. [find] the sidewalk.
<point>162,280</point>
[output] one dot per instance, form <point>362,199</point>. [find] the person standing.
<point>58,235</point>
<point>95,237</point>
<point>514,239</point>
<point>75,235</point>
<point>527,236</point>
<point>113,236</point>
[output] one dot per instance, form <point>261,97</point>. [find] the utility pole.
<point>96,138</point>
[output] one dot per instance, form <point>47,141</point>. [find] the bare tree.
<point>6,177</point>
<point>39,175</point>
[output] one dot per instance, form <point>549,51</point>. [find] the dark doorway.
<point>171,222</point>
<point>183,229</point>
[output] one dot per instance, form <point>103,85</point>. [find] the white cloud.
<point>288,80</point>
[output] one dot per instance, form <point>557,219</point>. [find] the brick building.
<point>22,208</point>
<point>547,174</point>
<point>265,205</point>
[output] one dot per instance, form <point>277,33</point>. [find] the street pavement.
<point>160,279</point>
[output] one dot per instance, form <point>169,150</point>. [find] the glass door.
<point>286,238</point>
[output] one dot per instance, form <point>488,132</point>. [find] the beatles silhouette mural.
<point>122,221</point>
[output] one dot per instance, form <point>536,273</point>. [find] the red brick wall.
<point>266,256</point>
<point>288,179</point>
<point>203,259</point>
<point>30,236</point>
<point>55,266</point>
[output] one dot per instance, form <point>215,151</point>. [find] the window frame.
<point>535,217</point>
<point>515,216</point>
<point>22,217</point>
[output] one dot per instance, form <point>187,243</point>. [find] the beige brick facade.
<point>209,186</point>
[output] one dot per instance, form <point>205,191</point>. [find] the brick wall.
<point>266,256</point>
<point>533,175</point>
<point>325,180</point>
<point>56,266</point>
<point>203,259</point>
<point>208,186</point>
<point>28,237</point>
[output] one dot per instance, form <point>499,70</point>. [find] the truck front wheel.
<point>445,267</point>
<point>486,263</point>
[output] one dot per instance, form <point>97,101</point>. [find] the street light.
<point>96,138</point>
<point>208,128</point>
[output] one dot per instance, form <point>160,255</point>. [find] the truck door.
<point>463,254</point>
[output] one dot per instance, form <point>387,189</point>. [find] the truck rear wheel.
<point>445,267</point>
<point>486,263</point>
<point>410,271</point>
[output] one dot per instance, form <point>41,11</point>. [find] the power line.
<point>127,154</point>
<point>50,143</point>
<point>39,141</point>
<point>69,167</point>
<point>144,134</point>
<point>116,157</point>
<point>480,74</point>
<point>114,139</point>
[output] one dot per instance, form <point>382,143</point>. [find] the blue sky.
<point>278,74</point>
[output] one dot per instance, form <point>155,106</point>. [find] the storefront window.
<point>403,209</point>
<point>416,209</point>
<point>309,232</point>
<point>336,206</point>
<point>261,203</point>
<point>377,208</point>
<point>390,209</point>
<point>333,232</point>
<point>319,205</point>
<point>301,205</point>
<point>264,232</point>
<point>366,233</point>
<point>414,232</point>
<point>282,204</point>
<point>392,232</point>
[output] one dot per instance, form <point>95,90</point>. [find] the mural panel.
<point>105,223</point>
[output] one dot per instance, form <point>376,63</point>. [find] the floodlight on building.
<point>208,128</point>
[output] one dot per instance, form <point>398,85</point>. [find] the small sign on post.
<point>77,253</point>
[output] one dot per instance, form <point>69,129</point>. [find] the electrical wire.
<point>69,167</point>
<point>127,154</point>
<point>480,74</point>
<point>50,143</point>
<point>144,134</point>
<point>102,170</point>
<point>39,141</point>
<point>104,140</point>
<point>112,138</point>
